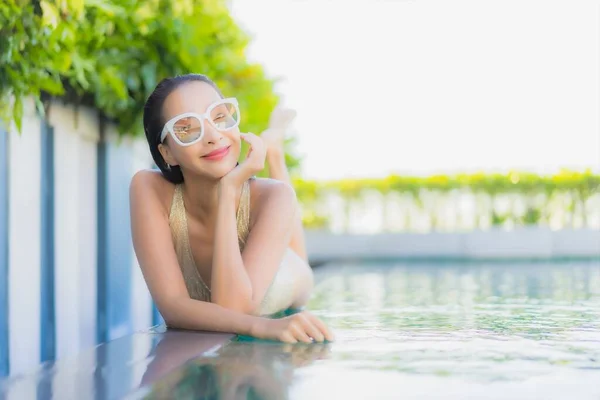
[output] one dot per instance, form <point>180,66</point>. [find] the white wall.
<point>24,243</point>
<point>75,234</point>
<point>75,139</point>
<point>87,227</point>
<point>141,302</point>
<point>527,242</point>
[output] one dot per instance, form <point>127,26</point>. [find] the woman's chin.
<point>220,169</point>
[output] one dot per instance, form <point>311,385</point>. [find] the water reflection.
<point>416,329</point>
<point>482,322</point>
<point>227,370</point>
<point>174,348</point>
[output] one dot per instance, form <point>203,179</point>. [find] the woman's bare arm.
<point>154,249</point>
<point>240,281</point>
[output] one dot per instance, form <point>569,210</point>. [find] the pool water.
<point>424,331</point>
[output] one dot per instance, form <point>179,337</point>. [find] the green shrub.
<point>110,54</point>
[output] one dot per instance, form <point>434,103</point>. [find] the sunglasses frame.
<point>168,128</point>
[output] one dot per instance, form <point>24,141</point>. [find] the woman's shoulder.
<point>149,184</point>
<point>266,193</point>
<point>263,188</point>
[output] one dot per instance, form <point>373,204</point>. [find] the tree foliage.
<point>110,54</point>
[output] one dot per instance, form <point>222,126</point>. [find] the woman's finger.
<point>254,141</point>
<point>250,137</point>
<point>288,338</point>
<point>311,329</point>
<point>257,152</point>
<point>321,326</point>
<point>298,331</point>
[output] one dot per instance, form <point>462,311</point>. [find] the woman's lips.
<point>217,154</point>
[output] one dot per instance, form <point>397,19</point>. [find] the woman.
<point>219,249</point>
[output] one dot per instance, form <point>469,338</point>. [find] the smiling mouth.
<point>217,154</point>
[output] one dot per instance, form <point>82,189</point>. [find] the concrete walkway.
<point>523,243</point>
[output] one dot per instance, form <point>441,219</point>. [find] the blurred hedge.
<point>110,54</point>
<point>578,186</point>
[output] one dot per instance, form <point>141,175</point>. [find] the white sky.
<point>427,86</point>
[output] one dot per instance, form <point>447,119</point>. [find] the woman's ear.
<point>165,152</point>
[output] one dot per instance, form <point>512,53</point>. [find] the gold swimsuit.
<point>282,291</point>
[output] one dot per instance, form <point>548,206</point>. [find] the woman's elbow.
<point>241,304</point>
<point>172,313</point>
<point>171,319</point>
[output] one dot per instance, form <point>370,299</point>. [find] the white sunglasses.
<point>188,128</point>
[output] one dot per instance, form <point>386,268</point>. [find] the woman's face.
<point>199,158</point>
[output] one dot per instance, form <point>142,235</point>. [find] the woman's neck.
<point>201,198</point>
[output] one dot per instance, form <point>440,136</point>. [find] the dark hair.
<point>154,120</point>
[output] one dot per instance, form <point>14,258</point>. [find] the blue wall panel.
<point>114,241</point>
<point>119,241</point>
<point>101,268</point>
<point>47,301</point>
<point>157,319</point>
<point>4,162</point>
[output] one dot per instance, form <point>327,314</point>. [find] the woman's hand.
<point>254,162</point>
<point>302,327</point>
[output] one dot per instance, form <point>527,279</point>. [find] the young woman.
<point>220,250</point>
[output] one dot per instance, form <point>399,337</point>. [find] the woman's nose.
<point>211,134</point>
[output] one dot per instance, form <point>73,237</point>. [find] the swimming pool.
<point>420,330</point>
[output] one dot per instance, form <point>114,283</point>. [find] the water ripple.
<point>483,323</point>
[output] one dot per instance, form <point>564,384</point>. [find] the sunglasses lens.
<point>225,116</point>
<point>187,129</point>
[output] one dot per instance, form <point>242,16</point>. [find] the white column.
<point>75,137</point>
<point>66,238</point>
<point>24,244</point>
<point>88,227</point>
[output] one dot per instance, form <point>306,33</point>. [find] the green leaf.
<point>76,7</point>
<point>39,106</point>
<point>50,13</point>
<point>65,50</point>
<point>149,76</point>
<point>106,7</point>
<point>18,113</point>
